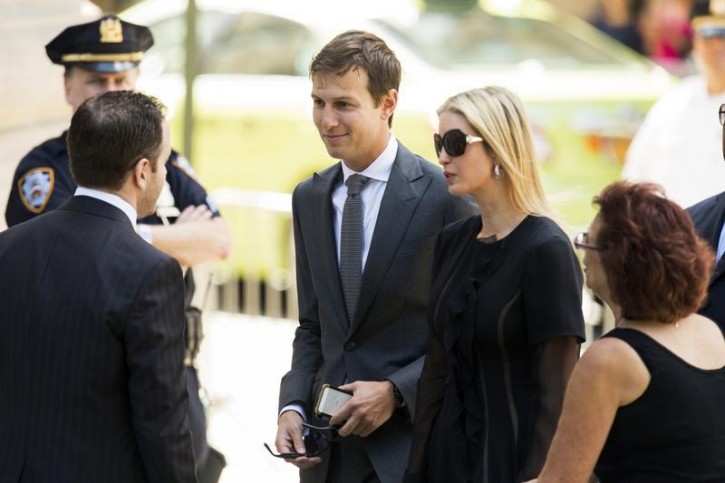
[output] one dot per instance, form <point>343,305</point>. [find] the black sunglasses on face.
<point>454,142</point>
<point>722,114</point>
<point>317,441</point>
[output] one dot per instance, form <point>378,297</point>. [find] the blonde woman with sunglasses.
<point>505,312</point>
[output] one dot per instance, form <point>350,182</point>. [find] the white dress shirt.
<point>372,195</point>
<point>679,145</point>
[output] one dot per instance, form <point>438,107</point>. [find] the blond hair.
<point>497,115</point>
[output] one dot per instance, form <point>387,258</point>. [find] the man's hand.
<point>289,439</point>
<point>372,404</point>
<point>194,213</point>
<point>196,237</point>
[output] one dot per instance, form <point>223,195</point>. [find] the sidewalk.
<point>241,362</point>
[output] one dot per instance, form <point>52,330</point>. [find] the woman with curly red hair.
<point>644,403</point>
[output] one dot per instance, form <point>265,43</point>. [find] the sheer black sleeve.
<point>553,362</point>
<point>430,384</point>
<point>430,394</point>
<point>552,303</point>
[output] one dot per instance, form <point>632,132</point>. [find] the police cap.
<point>108,44</point>
<point>708,18</point>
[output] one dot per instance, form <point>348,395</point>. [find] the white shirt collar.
<point>379,169</point>
<point>112,199</point>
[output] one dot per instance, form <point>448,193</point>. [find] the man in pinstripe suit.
<point>100,56</point>
<point>92,317</point>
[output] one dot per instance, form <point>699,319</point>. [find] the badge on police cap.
<point>108,44</point>
<point>35,188</point>
<point>111,31</point>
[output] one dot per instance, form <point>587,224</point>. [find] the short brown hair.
<point>110,133</point>
<point>356,49</point>
<point>657,267</point>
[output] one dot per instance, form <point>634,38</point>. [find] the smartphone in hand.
<point>331,400</point>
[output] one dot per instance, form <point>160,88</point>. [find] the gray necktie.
<point>351,243</point>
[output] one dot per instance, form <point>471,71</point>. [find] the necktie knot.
<point>355,184</point>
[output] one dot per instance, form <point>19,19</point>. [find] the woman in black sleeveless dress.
<point>645,403</point>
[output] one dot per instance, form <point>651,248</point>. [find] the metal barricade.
<point>258,277</point>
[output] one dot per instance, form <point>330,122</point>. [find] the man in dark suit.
<point>709,218</point>
<point>97,57</point>
<point>91,357</point>
<point>362,314</point>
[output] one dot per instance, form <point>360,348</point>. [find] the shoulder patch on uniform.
<point>35,188</point>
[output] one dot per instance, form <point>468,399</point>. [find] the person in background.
<point>676,146</point>
<point>645,402</point>
<point>505,313</point>
<point>364,231</point>
<point>98,57</point>
<point>620,20</point>
<point>709,219</point>
<point>93,317</point>
<point>666,32</point>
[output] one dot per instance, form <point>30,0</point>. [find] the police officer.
<point>102,56</point>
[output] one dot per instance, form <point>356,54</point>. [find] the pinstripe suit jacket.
<point>91,381</point>
<point>388,337</point>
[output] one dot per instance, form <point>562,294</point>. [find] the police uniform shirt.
<point>43,181</point>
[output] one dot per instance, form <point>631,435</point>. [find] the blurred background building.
<point>30,93</point>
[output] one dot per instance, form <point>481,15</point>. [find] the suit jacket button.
<point>350,346</point>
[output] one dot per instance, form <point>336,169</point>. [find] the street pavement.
<point>241,362</point>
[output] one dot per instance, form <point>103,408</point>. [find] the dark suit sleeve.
<point>296,386</point>
<point>406,380</point>
<point>430,390</point>
<point>429,397</point>
<point>707,217</point>
<point>154,337</point>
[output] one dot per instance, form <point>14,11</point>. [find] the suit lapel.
<point>402,194</point>
<point>719,270</point>
<point>322,210</point>
<point>712,234</point>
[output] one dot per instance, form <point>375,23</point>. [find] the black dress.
<point>506,323</point>
<point>675,431</point>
